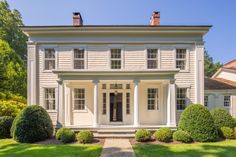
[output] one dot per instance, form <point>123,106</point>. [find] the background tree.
<point>10,31</point>
<point>209,66</point>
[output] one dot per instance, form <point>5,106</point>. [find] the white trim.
<point>153,46</point>
<point>42,50</point>
<point>85,110</point>
<point>85,47</point>
<point>116,46</point>
<point>187,64</point>
<point>56,98</point>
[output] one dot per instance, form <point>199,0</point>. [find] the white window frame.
<point>80,59</point>
<point>85,56</point>
<point>153,46</point>
<point>42,51</point>
<point>127,103</point>
<point>56,97</point>
<point>104,103</point>
<point>73,99</point>
<point>186,99</point>
<point>187,69</point>
<point>206,100</point>
<point>156,99</point>
<point>121,47</point>
<point>156,59</point>
<point>228,101</point>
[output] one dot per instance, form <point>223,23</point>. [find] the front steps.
<point>110,133</point>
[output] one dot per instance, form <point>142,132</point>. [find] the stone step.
<point>115,131</point>
<point>111,135</point>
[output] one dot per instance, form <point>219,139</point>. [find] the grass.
<point>225,148</point>
<point>10,148</point>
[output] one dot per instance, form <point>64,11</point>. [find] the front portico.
<point>101,99</point>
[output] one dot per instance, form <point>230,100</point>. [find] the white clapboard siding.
<point>65,58</point>
<point>167,58</point>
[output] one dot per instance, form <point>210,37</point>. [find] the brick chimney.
<point>77,19</point>
<point>155,19</point>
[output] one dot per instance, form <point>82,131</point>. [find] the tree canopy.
<point>209,66</point>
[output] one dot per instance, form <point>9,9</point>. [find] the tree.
<point>10,31</point>
<point>13,71</point>
<point>209,66</point>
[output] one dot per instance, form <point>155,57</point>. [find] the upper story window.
<point>152,58</point>
<point>79,59</point>
<point>152,98</point>
<point>49,98</point>
<point>181,59</point>
<point>226,101</point>
<point>49,58</point>
<point>115,58</point>
<point>181,98</point>
<point>79,98</point>
<point>206,100</point>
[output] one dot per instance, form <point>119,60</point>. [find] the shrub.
<point>65,135</point>
<point>163,135</point>
<point>85,136</point>
<point>31,125</point>
<point>182,136</point>
<point>142,135</point>
<point>5,126</point>
<point>234,119</point>
<point>10,107</point>
<point>227,132</point>
<point>222,118</point>
<point>198,122</point>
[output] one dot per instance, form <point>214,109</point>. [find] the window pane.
<point>49,53</point>
<point>116,64</point>
<point>181,97</point>
<point>127,103</point>
<point>180,64</point>
<point>152,53</point>
<point>79,99</point>
<point>227,101</point>
<point>181,59</point>
<point>104,104</point>
<point>181,54</point>
<point>205,100</point>
<point>49,59</point>
<point>152,64</point>
<point>79,64</point>
<point>152,98</point>
<point>79,53</point>
<point>115,53</point>
<point>49,98</point>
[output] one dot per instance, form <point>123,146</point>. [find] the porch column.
<point>67,108</point>
<point>95,103</point>
<point>136,105</point>
<point>60,106</point>
<point>171,104</point>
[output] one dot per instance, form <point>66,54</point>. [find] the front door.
<point>116,107</point>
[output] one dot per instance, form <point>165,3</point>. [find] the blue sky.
<point>220,41</point>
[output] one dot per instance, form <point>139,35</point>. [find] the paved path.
<point>117,148</point>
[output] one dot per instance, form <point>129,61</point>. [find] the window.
<point>181,97</point>
<point>78,58</point>
<point>152,58</point>
<point>115,58</point>
<point>49,62</point>
<point>79,98</point>
<point>206,100</point>
<point>104,103</point>
<point>152,95</point>
<point>49,99</point>
<point>116,86</point>
<point>127,86</point>
<point>226,101</point>
<point>127,103</point>
<point>181,59</point>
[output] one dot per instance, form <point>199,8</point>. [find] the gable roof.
<point>230,65</point>
<point>219,84</point>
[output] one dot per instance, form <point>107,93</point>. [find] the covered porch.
<point>116,100</point>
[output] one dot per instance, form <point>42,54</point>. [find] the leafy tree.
<point>209,66</point>
<point>10,22</point>
<point>13,71</point>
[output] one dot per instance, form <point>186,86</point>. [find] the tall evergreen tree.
<point>209,66</point>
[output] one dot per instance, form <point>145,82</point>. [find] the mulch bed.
<point>152,141</point>
<point>99,141</point>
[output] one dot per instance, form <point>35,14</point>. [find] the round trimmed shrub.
<point>65,135</point>
<point>31,125</point>
<point>142,135</point>
<point>198,122</point>
<point>5,126</point>
<point>182,136</point>
<point>163,135</point>
<point>222,118</point>
<point>85,136</point>
<point>227,132</point>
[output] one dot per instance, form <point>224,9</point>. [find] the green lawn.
<point>218,149</point>
<point>10,148</point>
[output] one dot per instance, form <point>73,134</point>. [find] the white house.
<point>220,90</point>
<point>102,76</point>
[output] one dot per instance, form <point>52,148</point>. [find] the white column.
<point>60,102</point>
<point>136,104</point>
<point>171,104</point>
<point>95,103</point>
<point>67,104</point>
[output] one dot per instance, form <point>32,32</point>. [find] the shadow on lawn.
<point>36,150</point>
<point>206,150</point>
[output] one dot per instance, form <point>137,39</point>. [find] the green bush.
<point>227,132</point>
<point>31,125</point>
<point>222,118</point>
<point>7,95</point>
<point>10,108</point>
<point>84,136</point>
<point>198,122</point>
<point>5,126</point>
<point>163,135</point>
<point>234,119</point>
<point>65,135</point>
<point>142,135</point>
<point>182,136</point>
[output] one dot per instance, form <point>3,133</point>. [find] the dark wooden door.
<point>116,107</point>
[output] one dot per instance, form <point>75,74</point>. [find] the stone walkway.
<point>117,148</point>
